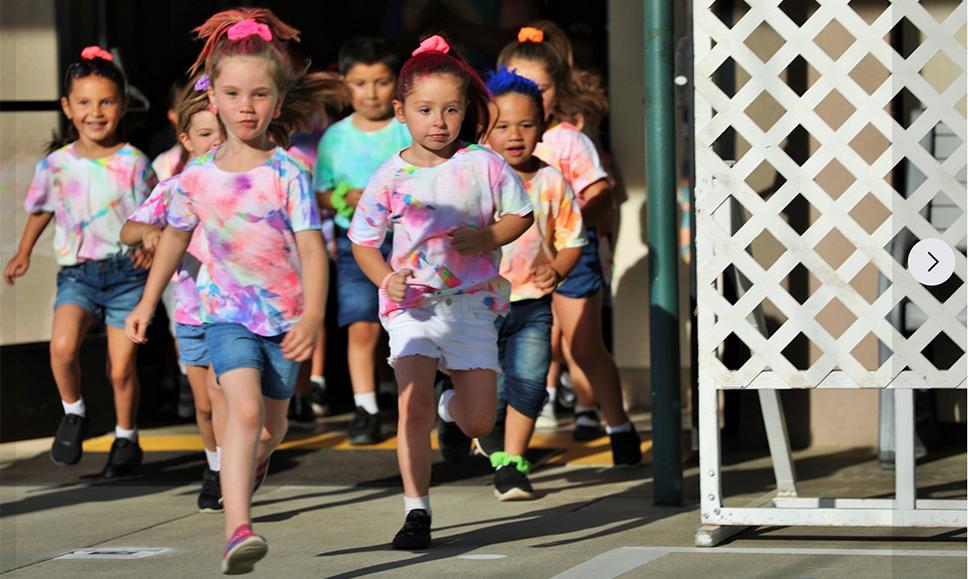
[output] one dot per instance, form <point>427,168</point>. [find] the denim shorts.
<point>587,278</point>
<point>524,348</point>
<point>107,288</point>
<point>192,350</point>
<point>357,299</point>
<point>233,346</point>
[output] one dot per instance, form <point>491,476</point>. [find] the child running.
<point>198,131</point>
<point>577,302</point>
<point>261,284</point>
<point>535,264</point>
<point>451,205</point>
<point>349,153</point>
<point>89,183</point>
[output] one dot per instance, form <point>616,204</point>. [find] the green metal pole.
<point>663,255</point>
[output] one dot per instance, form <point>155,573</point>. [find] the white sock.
<point>131,434</point>
<point>410,504</point>
<point>319,381</point>
<point>442,408</point>
<point>627,427</point>
<point>77,408</point>
<point>214,458</point>
<point>552,393</point>
<point>585,420</point>
<point>368,401</point>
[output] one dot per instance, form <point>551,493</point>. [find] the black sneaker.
<point>626,448</point>
<point>67,448</point>
<point>415,533</point>
<point>301,412</point>
<point>365,427</point>
<point>492,442</point>
<point>584,429</point>
<point>124,458</point>
<point>210,497</point>
<point>454,445</point>
<point>510,484</point>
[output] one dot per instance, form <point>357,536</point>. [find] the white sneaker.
<point>547,418</point>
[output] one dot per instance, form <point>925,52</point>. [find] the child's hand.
<point>396,285</point>
<point>300,341</point>
<point>353,197</point>
<point>16,267</point>
<point>150,239</point>
<point>471,241</point>
<point>545,278</point>
<point>141,258</point>
<point>136,324</point>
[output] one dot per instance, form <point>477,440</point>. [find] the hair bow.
<point>248,27</point>
<point>434,43</point>
<point>92,52</point>
<point>531,34</point>
<point>202,84</point>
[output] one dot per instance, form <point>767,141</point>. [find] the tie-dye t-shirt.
<point>166,164</point>
<point>423,205</point>
<point>557,225</point>
<point>348,154</point>
<point>90,199</point>
<point>154,212</point>
<point>570,151</point>
<point>250,273</point>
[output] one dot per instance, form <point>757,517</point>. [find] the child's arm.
<point>471,241</point>
<point>597,204</point>
<point>174,242</point>
<point>393,283</point>
<point>546,277</point>
<point>135,233</point>
<point>300,341</point>
<point>20,262</point>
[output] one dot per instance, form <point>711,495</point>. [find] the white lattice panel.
<point>846,110</point>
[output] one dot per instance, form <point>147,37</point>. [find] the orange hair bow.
<point>92,52</point>
<point>530,34</point>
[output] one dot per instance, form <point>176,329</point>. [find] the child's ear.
<point>66,107</point>
<point>398,111</point>
<point>186,142</point>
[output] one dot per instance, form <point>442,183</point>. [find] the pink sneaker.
<point>242,551</point>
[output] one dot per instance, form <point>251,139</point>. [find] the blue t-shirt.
<point>348,154</point>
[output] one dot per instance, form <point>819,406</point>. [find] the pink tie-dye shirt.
<point>250,273</point>
<point>90,200</point>
<point>154,212</point>
<point>167,164</point>
<point>570,151</point>
<point>557,225</point>
<point>423,205</point>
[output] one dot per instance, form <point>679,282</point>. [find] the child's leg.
<point>197,379</point>
<point>557,357</point>
<point>124,377</point>
<point>216,398</point>
<point>362,340</point>
<point>594,367</point>
<point>275,426</point>
<point>526,355</point>
<point>71,323</point>
<point>319,355</point>
<point>418,414</point>
<point>474,403</point>
<point>244,419</point>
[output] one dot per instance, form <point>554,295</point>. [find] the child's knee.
<point>417,415</point>
<point>477,425</point>
<point>121,375</point>
<point>63,350</point>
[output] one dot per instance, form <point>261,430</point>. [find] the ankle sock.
<point>627,427</point>
<point>552,394</point>
<point>77,408</point>
<point>319,381</point>
<point>214,458</point>
<point>367,401</point>
<point>443,409</point>
<point>410,504</point>
<point>130,434</point>
<point>585,420</point>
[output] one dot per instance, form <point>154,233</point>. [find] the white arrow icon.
<point>931,261</point>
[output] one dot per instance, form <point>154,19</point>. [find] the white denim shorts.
<point>458,331</point>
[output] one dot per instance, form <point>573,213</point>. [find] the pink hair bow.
<point>248,27</point>
<point>92,52</point>
<point>434,43</point>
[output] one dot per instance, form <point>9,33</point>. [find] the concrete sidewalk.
<point>588,522</point>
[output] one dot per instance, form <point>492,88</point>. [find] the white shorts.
<point>458,331</point>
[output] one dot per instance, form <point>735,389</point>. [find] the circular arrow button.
<point>931,261</point>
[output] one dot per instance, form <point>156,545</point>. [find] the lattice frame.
<point>717,181</point>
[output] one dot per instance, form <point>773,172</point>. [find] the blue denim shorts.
<point>524,349</point>
<point>357,299</point>
<point>107,288</point>
<point>192,349</point>
<point>233,346</point>
<point>587,278</point>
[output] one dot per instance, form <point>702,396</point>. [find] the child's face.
<point>372,87</point>
<point>203,134</point>
<point>517,130</point>
<point>537,72</point>
<point>95,105</point>
<point>433,111</point>
<point>246,97</point>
